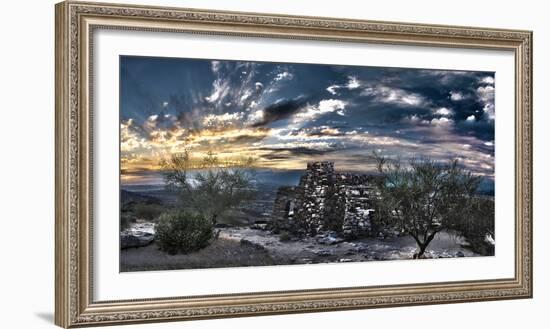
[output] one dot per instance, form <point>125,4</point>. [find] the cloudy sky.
<point>285,114</point>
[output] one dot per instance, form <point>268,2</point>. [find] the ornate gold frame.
<point>75,23</point>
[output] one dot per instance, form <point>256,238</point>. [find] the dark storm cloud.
<point>324,131</point>
<point>280,110</point>
<point>299,150</point>
<point>289,111</point>
<point>393,98</point>
<point>277,155</point>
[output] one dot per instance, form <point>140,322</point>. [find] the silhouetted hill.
<point>127,197</point>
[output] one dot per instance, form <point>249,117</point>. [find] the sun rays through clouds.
<point>284,115</point>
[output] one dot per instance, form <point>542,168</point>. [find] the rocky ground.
<point>329,248</point>
<point>246,246</point>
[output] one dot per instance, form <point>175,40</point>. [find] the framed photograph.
<point>218,164</point>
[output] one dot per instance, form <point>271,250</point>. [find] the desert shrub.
<point>126,220</point>
<point>149,211</point>
<point>285,236</point>
<point>182,232</point>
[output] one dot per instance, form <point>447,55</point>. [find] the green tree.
<point>425,197</point>
<point>479,227</point>
<point>213,189</point>
<point>148,211</point>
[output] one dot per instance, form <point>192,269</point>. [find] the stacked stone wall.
<point>325,200</point>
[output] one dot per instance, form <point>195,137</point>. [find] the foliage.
<point>149,211</point>
<point>425,197</point>
<point>126,220</point>
<point>214,189</point>
<point>479,226</point>
<point>182,232</point>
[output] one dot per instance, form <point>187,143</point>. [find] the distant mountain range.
<point>128,197</point>
<point>155,187</point>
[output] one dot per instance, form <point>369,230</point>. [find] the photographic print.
<point>229,163</point>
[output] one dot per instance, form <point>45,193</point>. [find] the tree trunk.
<point>423,245</point>
<point>214,219</point>
<point>421,252</point>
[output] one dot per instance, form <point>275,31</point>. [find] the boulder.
<point>252,244</point>
<point>259,226</point>
<point>135,240</point>
<point>324,252</point>
<point>361,247</point>
<point>329,238</point>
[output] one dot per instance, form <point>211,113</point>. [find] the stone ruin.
<point>325,201</point>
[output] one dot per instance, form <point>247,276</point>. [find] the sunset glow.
<point>284,115</point>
